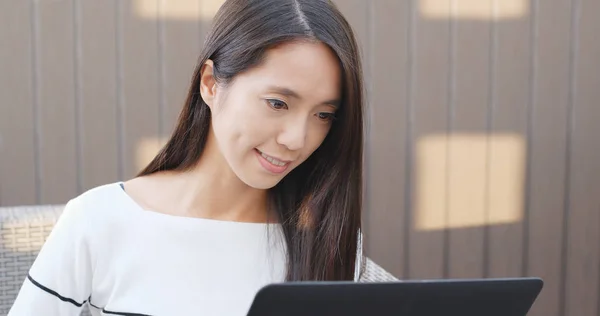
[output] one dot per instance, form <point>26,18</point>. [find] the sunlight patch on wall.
<point>485,10</point>
<point>458,185</point>
<point>146,150</point>
<point>177,10</point>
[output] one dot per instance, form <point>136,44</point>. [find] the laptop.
<point>448,297</point>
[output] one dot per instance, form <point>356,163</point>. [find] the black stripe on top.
<point>123,314</point>
<point>91,304</point>
<point>47,290</point>
<point>72,301</point>
<point>111,312</point>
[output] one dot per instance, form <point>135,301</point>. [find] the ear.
<point>208,84</point>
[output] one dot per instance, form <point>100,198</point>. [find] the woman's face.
<point>270,119</point>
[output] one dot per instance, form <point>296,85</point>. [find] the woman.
<point>259,183</point>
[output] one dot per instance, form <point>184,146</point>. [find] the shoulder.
<point>98,195</point>
<point>77,241</point>
<point>94,206</point>
<point>90,221</point>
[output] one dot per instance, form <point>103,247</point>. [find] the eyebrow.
<point>293,94</point>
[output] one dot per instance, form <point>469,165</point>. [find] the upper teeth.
<point>273,160</point>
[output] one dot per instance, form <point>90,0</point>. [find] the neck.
<point>212,190</point>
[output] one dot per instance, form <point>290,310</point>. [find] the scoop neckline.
<point>188,219</point>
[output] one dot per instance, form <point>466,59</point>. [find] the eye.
<point>277,104</point>
<point>326,117</point>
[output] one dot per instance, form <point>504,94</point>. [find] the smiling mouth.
<point>274,161</point>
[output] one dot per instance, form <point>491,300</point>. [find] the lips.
<point>273,160</point>
<point>272,164</point>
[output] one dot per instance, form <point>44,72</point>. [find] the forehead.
<point>310,69</point>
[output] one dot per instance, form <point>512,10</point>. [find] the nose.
<point>293,134</point>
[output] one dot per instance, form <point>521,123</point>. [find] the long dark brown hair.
<point>319,203</point>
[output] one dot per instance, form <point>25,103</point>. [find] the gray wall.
<point>482,157</point>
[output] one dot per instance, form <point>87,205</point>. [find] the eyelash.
<point>329,117</point>
<point>273,101</point>
<point>274,104</point>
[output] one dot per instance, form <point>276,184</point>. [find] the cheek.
<point>242,127</point>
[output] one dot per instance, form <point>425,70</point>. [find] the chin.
<point>264,185</point>
<point>260,181</point>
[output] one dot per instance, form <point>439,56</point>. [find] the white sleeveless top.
<point>108,252</point>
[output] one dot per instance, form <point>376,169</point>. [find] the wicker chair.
<point>24,230</point>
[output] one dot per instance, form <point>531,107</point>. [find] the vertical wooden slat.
<point>468,142</point>
<point>57,102</point>
<point>409,184</point>
<point>98,93</point>
<point>388,134</point>
<point>78,96</point>
<point>119,79</point>
<point>430,141</point>
<point>17,163</point>
<point>140,64</point>
<point>583,256</point>
<point>181,42</point>
<point>549,145</point>
<point>508,144</point>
